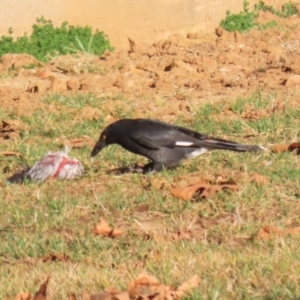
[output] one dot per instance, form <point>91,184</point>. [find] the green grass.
<point>38,219</point>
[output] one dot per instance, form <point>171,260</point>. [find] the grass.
<point>52,217</point>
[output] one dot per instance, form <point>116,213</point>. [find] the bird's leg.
<point>153,167</point>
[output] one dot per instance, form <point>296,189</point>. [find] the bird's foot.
<point>135,169</point>
<point>152,167</point>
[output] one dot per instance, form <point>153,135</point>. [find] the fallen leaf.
<point>44,74</point>
<point>101,296</point>
<point>143,285</point>
<point>182,235</point>
<point>55,257</point>
<point>280,148</point>
<point>294,146</point>
<point>278,106</point>
<point>187,286</point>
<point>41,293</point>
<point>147,287</point>
<point>84,141</point>
<point>259,179</point>
<point>11,153</point>
<point>72,297</point>
<point>107,295</point>
<point>159,184</point>
<point>202,189</point>
<point>23,296</point>
<point>141,208</point>
<point>103,228</point>
<point>286,148</point>
<point>85,296</point>
<point>271,231</point>
<point>8,130</point>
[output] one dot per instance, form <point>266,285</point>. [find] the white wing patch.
<point>197,152</point>
<point>184,144</point>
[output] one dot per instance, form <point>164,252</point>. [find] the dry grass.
<point>218,241</point>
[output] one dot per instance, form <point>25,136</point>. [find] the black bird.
<point>164,144</point>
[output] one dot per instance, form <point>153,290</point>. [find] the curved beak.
<point>98,147</point>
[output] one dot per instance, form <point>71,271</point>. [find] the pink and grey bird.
<point>54,165</point>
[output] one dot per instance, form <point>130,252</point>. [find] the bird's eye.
<point>103,137</point>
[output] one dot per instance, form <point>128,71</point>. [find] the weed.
<point>47,41</point>
<point>241,22</point>
<point>246,20</point>
<point>287,10</point>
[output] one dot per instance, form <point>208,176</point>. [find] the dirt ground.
<point>164,80</point>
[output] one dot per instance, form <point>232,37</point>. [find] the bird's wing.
<point>158,135</point>
<point>145,142</point>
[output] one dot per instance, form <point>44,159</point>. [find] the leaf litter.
<point>203,189</point>
<point>41,294</point>
<point>287,148</point>
<point>104,229</point>
<point>143,287</point>
<point>77,143</point>
<point>259,179</point>
<point>8,130</point>
<point>270,231</point>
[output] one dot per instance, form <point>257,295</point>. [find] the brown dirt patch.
<point>181,70</point>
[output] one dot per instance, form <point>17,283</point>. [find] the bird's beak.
<point>98,147</point>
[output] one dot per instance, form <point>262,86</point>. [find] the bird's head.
<point>106,138</point>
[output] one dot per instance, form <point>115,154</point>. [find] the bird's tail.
<point>232,146</point>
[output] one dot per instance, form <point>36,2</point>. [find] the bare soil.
<point>167,79</point>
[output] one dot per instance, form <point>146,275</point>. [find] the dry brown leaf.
<point>286,148</point>
<point>72,297</point>
<point>8,130</point>
<point>202,189</point>
<point>141,208</point>
<point>187,286</point>
<point>279,106</point>
<point>280,148</point>
<point>270,231</point>
<point>117,294</point>
<point>41,293</point>
<point>11,153</point>
<point>78,143</point>
<point>147,287</point>
<point>294,146</point>
<point>103,228</point>
<point>107,295</point>
<point>85,296</point>
<point>254,114</point>
<point>182,235</point>
<point>101,296</point>
<point>159,183</point>
<point>23,296</point>
<point>259,179</point>
<point>143,285</point>
<point>55,257</point>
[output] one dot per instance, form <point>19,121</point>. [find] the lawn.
<point>218,238</point>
